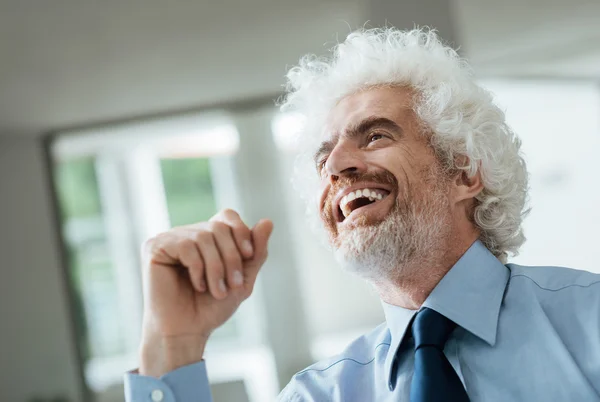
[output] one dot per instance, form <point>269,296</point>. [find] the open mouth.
<point>358,199</point>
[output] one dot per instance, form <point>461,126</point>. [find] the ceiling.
<point>532,38</point>
<point>73,63</point>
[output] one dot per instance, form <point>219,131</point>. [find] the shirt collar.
<point>470,294</point>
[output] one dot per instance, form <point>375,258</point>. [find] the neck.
<point>417,278</point>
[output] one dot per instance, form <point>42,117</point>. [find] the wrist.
<point>160,355</point>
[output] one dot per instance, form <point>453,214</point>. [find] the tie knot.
<point>431,328</point>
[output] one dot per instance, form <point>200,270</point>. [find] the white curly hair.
<point>467,130</point>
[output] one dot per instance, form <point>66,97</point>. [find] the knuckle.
<point>229,213</point>
<point>219,227</point>
<point>152,246</point>
<point>203,236</point>
<point>187,244</point>
<point>241,229</point>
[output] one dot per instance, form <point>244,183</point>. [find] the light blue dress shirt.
<point>524,334</point>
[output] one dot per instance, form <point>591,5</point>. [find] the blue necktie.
<point>434,379</point>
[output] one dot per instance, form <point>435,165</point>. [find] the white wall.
<point>36,344</point>
<point>559,125</point>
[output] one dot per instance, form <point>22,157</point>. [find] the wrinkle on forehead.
<point>392,102</point>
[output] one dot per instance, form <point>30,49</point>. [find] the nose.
<point>345,159</point>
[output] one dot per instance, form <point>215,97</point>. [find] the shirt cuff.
<point>185,384</point>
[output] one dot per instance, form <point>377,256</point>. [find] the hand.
<point>194,279</point>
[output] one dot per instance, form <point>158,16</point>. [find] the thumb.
<point>260,238</point>
<point>261,232</point>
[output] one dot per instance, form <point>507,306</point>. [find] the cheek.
<point>394,162</point>
<point>389,158</point>
<point>324,190</point>
<point>407,162</point>
<point>326,211</point>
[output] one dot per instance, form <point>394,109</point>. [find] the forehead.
<point>394,103</point>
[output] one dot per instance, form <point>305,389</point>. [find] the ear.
<point>465,187</point>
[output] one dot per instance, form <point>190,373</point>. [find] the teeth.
<point>372,195</point>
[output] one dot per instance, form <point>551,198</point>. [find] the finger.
<point>213,265</point>
<point>230,255</point>
<point>261,233</point>
<point>190,257</point>
<point>241,232</point>
<point>160,250</point>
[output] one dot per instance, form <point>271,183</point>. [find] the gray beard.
<point>389,249</point>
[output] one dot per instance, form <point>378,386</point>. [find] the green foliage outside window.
<point>90,267</point>
<point>188,189</point>
<point>77,188</point>
<point>79,200</point>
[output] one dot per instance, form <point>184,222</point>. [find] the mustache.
<point>383,177</point>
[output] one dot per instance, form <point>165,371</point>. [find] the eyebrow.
<point>357,130</point>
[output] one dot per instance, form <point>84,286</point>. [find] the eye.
<point>321,165</point>
<point>375,136</point>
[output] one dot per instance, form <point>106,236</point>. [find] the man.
<point>422,193</point>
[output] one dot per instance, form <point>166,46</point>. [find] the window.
<point>188,190</point>
<point>118,186</point>
<point>91,270</point>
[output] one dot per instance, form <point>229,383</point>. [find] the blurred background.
<point>120,119</point>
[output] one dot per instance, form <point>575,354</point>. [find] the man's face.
<point>383,199</point>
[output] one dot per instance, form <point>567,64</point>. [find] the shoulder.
<point>553,279</point>
<point>556,285</point>
<point>318,379</point>
<point>564,305</point>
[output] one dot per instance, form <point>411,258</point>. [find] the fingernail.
<point>222,286</point>
<point>247,246</point>
<point>202,286</point>
<point>238,278</point>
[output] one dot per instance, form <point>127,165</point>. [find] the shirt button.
<point>157,395</point>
